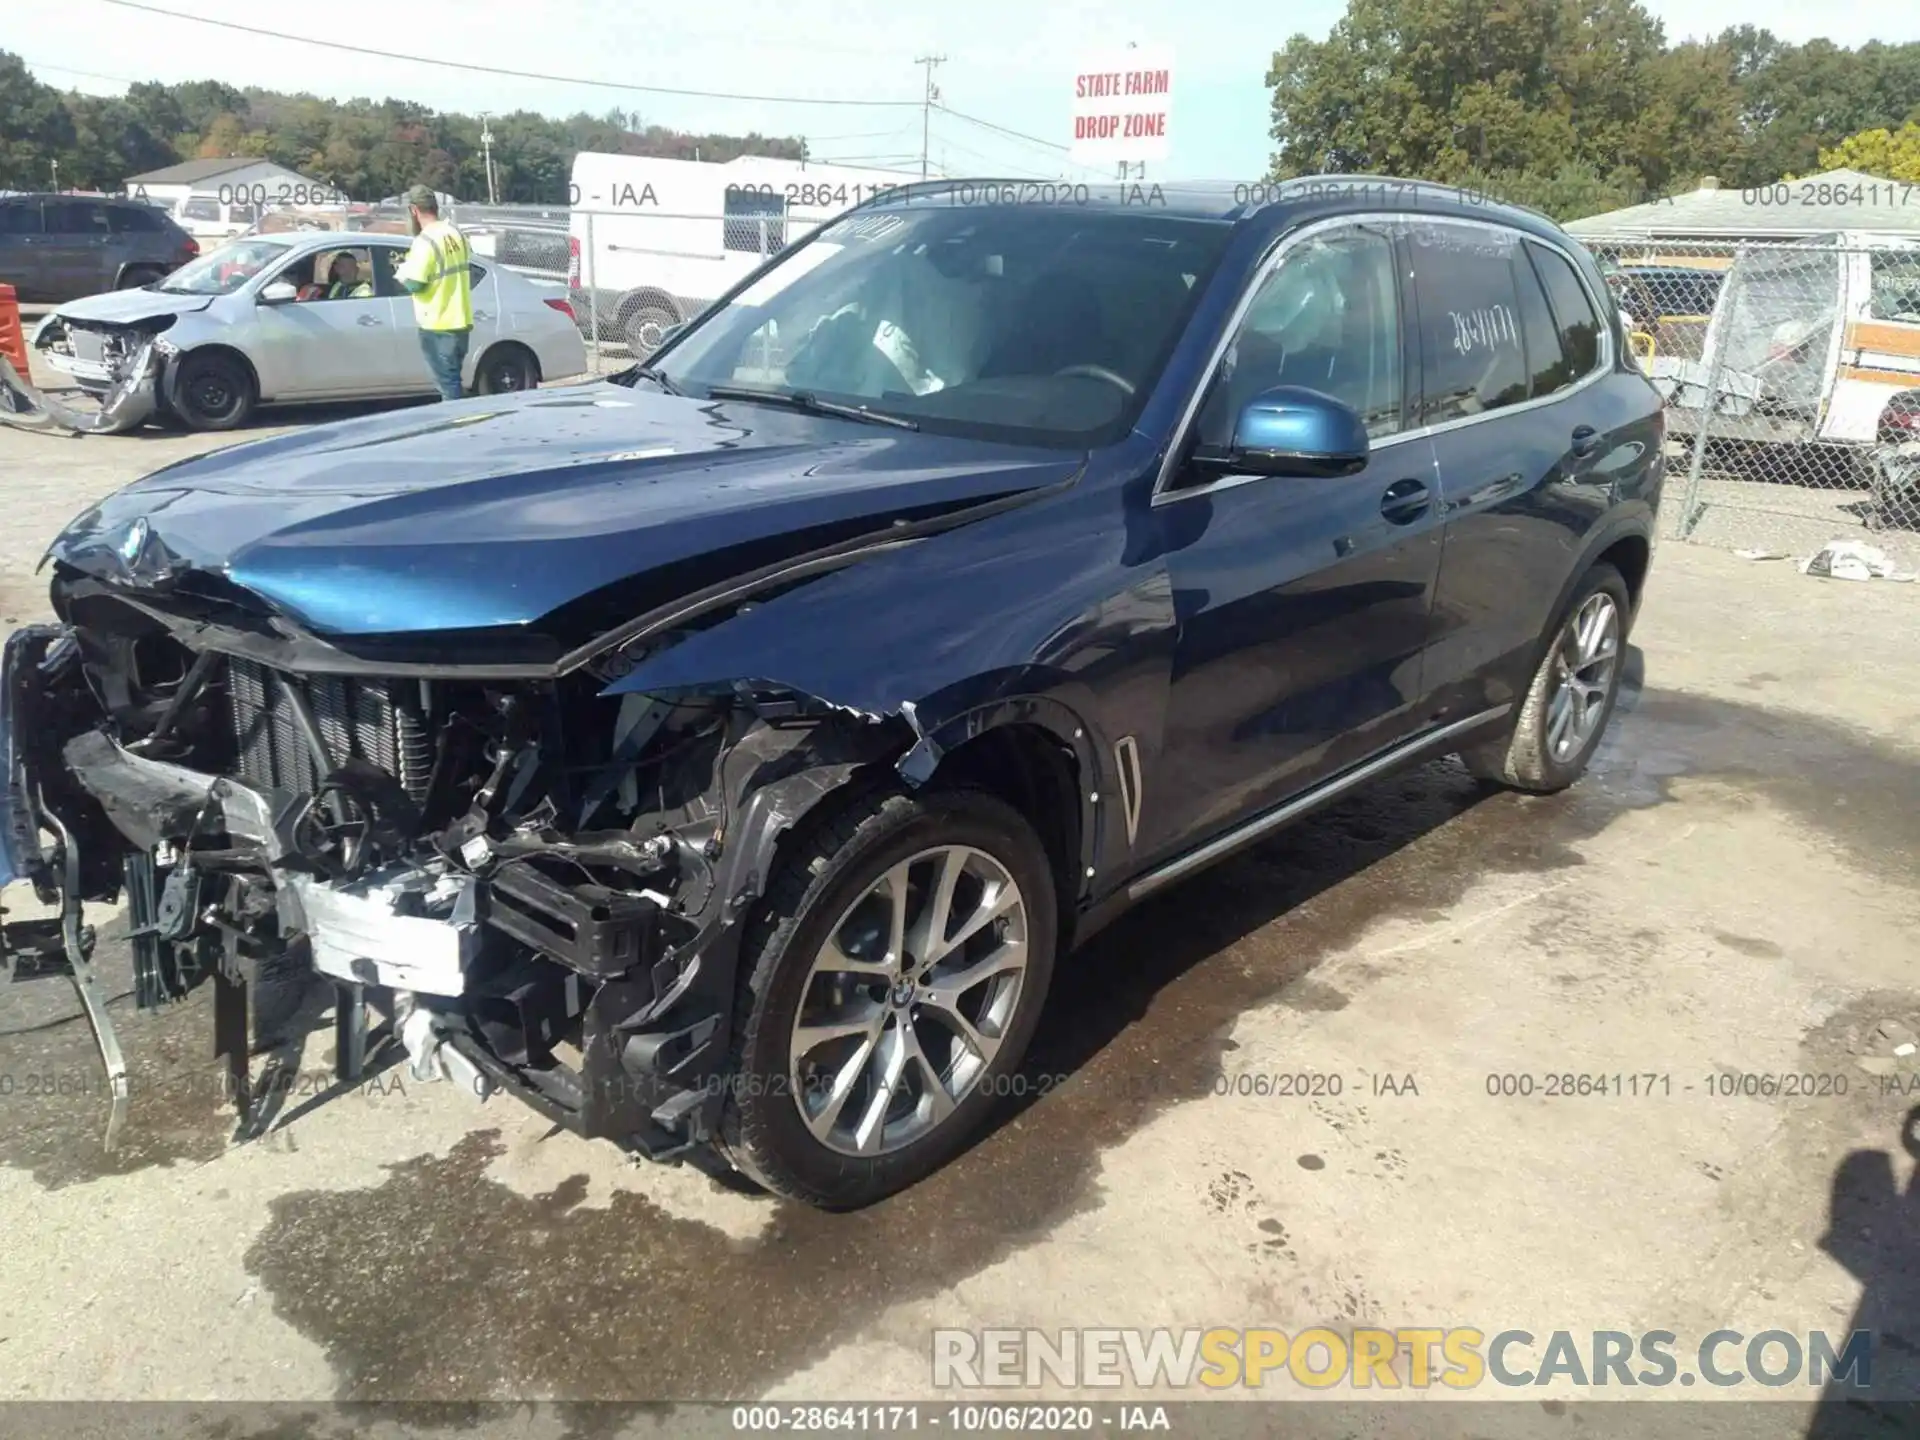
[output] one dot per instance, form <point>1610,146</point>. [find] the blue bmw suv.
<point>723,755</point>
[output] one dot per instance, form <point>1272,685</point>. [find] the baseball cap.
<point>422,195</point>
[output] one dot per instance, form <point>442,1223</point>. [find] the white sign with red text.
<point>1121,103</point>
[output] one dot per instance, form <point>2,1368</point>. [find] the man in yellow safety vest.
<point>435,275</point>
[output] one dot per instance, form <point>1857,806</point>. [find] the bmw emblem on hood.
<point>134,541</point>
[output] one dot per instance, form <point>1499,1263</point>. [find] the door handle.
<point>1586,440</point>
<point>368,320</point>
<point>1404,501</point>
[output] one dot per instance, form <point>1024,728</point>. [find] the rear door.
<point>486,319</point>
<point>1528,440</point>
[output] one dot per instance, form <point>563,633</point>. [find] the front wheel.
<point>891,988</point>
<point>1572,695</point>
<point>210,391</point>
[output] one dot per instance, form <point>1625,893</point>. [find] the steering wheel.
<point>1098,372</point>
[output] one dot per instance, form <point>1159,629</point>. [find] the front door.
<point>78,240</point>
<point>338,339</point>
<point>1302,603</point>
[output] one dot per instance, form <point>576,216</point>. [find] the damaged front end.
<point>543,886</point>
<point>118,363</point>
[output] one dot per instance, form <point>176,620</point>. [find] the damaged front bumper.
<point>129,394</point>
<point>590,974</point>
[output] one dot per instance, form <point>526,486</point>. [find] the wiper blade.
<point>806,400</point>
<point>647,372</point>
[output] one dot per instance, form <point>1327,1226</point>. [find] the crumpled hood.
<point>123,307</point>
<point>494,512</point>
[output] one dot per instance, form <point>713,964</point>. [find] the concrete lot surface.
<point>1734,892</point>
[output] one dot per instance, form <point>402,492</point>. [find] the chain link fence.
<point>1791,373</point>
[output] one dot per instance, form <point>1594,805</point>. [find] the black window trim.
<point>1594,312</point>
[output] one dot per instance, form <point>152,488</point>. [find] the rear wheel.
<point>893,982</point>
<point>505,369</point>
<point>210,391</point>
<point>1571,698</point>
<point>644,322</point>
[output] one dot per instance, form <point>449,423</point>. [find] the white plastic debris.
<point>1852,560</point>
<point>1757,554</point>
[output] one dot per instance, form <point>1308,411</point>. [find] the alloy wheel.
<point>1584,661</point>
<point>908,1000</point>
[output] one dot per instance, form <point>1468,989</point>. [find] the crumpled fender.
<point>1033,617</point>
<point>128,406</point>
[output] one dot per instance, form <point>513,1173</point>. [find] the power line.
<point>69,70</point>
<point>974,120</point>
<point>501,70</point>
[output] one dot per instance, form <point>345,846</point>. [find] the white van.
<point>1811,342</point>
<point>651,242</point>
<point>207,217</point>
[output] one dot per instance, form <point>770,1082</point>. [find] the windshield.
<point>223,271</point>
<point>1025,323</point>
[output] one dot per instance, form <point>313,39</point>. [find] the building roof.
<point>190,172</point>
<point>1839,200</point>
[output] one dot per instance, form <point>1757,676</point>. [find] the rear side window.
<point>134,220</point>
<point>1574,318</point>
<point>20,217</point>
<point>76,217</point>
<point>1547,367</point>
<point>1473,360</point>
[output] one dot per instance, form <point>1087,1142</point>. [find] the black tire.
<point>644,322</point>
<point>135,276</point>
<point>762,1131</point>
<point>209,390</point>
<point>506,370</point>
<point>1521,758</point>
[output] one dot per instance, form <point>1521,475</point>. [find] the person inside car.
<point>345,282</point>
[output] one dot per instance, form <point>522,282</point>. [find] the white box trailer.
<point>651,242</point>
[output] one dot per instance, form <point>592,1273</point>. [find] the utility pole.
<point>926,105</point>
<point>486,148</point>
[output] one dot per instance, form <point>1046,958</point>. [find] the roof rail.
<point>1473,197</point>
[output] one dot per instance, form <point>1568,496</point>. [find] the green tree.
<point>37,129</point>
<point>1889,154</point>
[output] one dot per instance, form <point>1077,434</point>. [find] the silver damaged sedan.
<point>292,319</point>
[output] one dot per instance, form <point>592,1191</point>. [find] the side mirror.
<point>278,293</point>
<point>1291,430</point>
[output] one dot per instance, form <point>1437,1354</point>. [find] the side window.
<point>1547,367</point>
<point>1573,313</point>
<point>386,259</point>
<point>1328,319</point>
<point>1472,359</point>
<point>76,217</point>
<point>201,207</point>
<point>748,211</point>
<point>19,217</point>
<point>133,220</point>
<point>1895,292</point>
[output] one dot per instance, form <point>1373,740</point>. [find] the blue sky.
<point>1008,61</point>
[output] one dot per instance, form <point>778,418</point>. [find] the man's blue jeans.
<point>446,352</point>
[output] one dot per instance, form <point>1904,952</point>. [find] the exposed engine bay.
<point>541,887</point>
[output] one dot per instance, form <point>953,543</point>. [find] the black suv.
<point>61,247</point>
